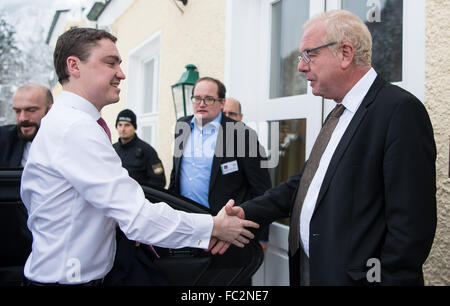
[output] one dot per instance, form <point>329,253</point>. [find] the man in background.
<point>207,166</point>
<point>232,109</point>
<point>30,104</point>
<point>138,157</point>
<point>213,162</point>
<point>133,261</point>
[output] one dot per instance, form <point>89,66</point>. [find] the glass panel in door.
<point>288,16</point>
<point>291,150</point>
<point>147,135</point>
<point>384,18</point>
<point>149,72</point>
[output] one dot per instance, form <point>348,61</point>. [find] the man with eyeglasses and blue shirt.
<point>211,165</point>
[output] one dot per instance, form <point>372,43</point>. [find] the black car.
<point>187,266</point>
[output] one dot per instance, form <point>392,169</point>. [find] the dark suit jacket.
<point>140,159</point>
<point>16,244</point>
<point>377,200</point>
<point>248,182</point>
<point>11,147</point>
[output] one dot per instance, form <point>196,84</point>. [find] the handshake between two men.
<point>230,227</point>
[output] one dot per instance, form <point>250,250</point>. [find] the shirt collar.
<point>355,96</point>
<point>75,101</point>
<point>208,128</point>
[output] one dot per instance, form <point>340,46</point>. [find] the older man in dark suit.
<point>363,208</point>
<point>30,103</point>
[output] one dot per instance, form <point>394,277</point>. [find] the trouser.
<point>304,268</point>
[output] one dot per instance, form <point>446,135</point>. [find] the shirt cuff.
<point>203,230</point>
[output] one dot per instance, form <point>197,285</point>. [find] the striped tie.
<point>308,175</point>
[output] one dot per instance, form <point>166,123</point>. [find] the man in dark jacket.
<point>30,103</point>
<point>215,157</point>
<point>133,264</point>
<point>138,157</point>
<point>363,209</point>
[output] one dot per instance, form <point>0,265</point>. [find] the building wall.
<point>437,88</point>
<point>196,36</point>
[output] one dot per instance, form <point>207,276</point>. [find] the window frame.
<point>137,84</point>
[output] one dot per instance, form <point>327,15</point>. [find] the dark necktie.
<point>105,127</point>
<point>308,174</point>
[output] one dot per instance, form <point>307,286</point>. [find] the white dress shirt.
<point>351,101</point>
<point>26,150</point>
<point>75,190</point>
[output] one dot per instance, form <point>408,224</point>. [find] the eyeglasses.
<point>231,114</point>
<point>305,54</point>
<point>207,100</point>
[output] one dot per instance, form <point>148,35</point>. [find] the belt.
<point>93,283</point>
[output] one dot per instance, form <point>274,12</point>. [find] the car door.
<point>186,266</point>
<point>15,238</point>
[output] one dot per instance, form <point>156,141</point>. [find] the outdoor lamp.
<point>97,9</point>
<point>182,90</point>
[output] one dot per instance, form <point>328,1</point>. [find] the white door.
<point>262,74</point>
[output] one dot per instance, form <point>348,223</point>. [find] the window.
<point>149,98</point>
<point>288,16</point>
<point>148,132</point>
<point>143,87</point>
<point>291,150</point>
<point>384,18</point>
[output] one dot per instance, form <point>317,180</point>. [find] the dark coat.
<point>16,244</point>
<point>11,147</point>
<point>377,200</point>
<point>250,181</point>
<point>133,265</point>
<point>142,162</point>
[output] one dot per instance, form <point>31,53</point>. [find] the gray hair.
<point>343,26</point>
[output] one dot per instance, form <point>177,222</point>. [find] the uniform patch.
<point>158,168</point>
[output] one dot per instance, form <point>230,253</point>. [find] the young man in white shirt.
<point>75,189</point>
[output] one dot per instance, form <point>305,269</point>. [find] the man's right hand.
<point>229,226</point>
<point>220,246</point>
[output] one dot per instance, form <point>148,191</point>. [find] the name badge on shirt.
<point>229,167</point>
